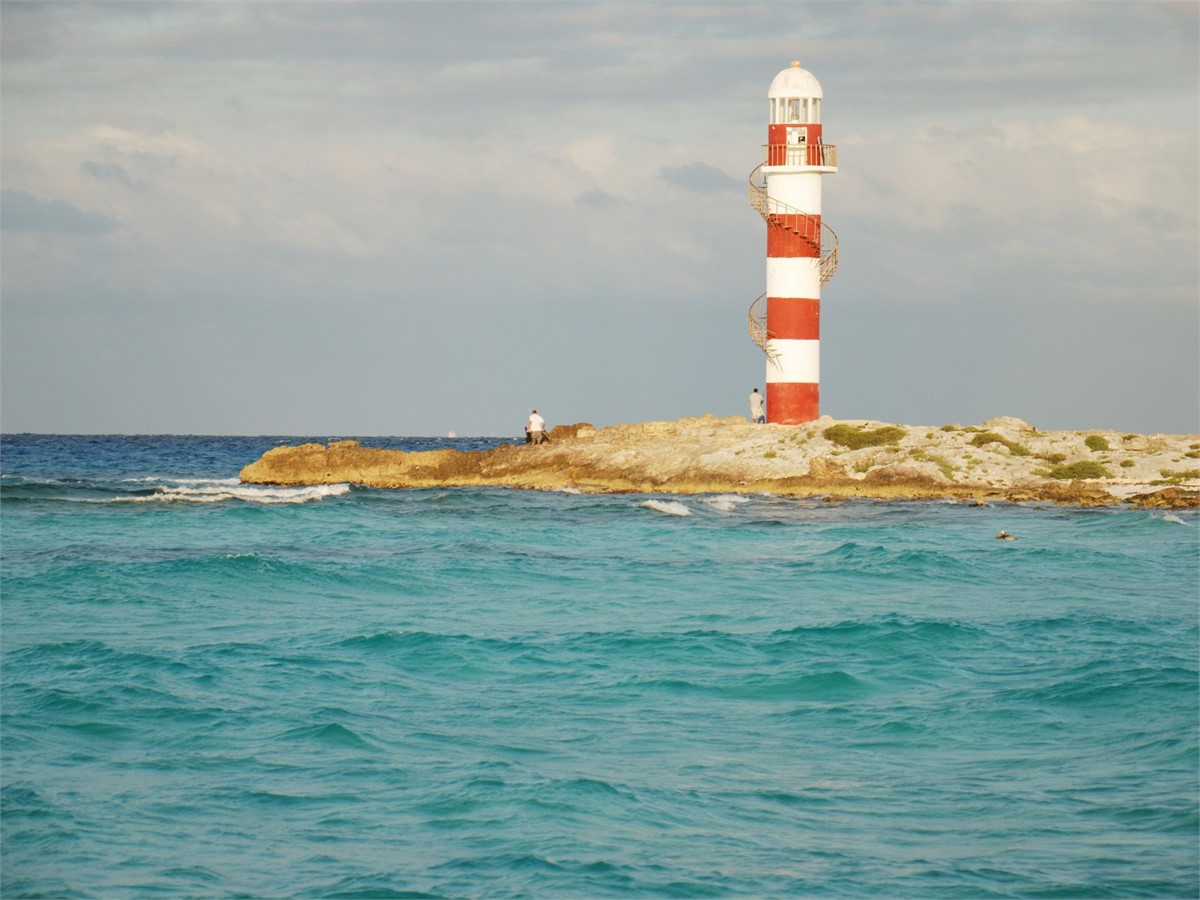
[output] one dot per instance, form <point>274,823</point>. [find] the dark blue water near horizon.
<point>211,689</point>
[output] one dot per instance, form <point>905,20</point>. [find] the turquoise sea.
<point>216,690</point>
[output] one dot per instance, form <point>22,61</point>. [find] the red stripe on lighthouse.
<point>790,236</point>
<point>794,317</point>
<point>777,133</point>
<point>793,404</point>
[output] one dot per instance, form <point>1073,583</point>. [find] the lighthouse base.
<point>792,404</point>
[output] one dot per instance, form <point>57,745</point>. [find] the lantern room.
<point>794,132</point>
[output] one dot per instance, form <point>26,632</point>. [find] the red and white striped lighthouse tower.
<point>801,249</point>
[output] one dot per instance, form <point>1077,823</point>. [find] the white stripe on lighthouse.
<point>799,190</point>
<point>793,361</point>
<point>793,276</point>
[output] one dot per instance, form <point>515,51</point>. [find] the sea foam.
<point>726,502</point>
<point>667,507</point>
<point>219,492</point>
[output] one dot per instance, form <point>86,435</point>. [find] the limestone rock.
<point>920,473</point>
<point>1009,423</point>
<point>732,455</point>
<point>826,467</point>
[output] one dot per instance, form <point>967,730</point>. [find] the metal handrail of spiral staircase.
<point>758,328</point>
<point>770,209</point>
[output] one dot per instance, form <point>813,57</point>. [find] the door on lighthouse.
<point>797,146</point>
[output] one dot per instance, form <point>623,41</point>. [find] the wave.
<point>865,558</point>
<point>221,491</point>
<point>159,489</point>
<point>160,479</point>
<point>726,502</point>
<point>1168,517</point>
<point>330,734</point>
<point>818,686</point>
<point>667,507</point>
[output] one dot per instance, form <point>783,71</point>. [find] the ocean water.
<point>216,690</point>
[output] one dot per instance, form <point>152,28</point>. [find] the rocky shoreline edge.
<point>1003,459</point>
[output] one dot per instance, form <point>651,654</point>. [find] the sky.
<point>402,218</point>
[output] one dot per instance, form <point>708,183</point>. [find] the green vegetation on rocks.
<point>855,437</point>
<point>1078,470</point>
<point>947,468</point>
<point>990,437</point>
<point>1177,476</point>
<point>1095,443</point>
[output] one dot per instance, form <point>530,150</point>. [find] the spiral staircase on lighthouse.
<point>807,227</point>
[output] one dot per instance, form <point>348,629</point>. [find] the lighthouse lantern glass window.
<point>795,110</point>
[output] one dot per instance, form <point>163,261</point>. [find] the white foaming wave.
<point>726,502</point>
<point>568,490</point>
<point>1169,517</point>
<point>219,492</point>
<point>161,479</point>
<point>667,507</point>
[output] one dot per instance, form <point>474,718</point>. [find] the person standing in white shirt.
<point>756,408</point>
<point>536,428</point>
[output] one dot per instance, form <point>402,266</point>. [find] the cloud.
<point>20,211</point>
<point>1074,208</point>
<point>598,198</point>
<point>110,172</point>
<point>699,177</point>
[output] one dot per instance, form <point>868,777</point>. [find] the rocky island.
<point>1001,459</point>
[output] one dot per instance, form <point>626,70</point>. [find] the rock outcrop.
<point>1003,459</point>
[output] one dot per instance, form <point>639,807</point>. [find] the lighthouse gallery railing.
<point>800,155</point>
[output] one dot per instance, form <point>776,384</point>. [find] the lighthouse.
<point>802,251</point>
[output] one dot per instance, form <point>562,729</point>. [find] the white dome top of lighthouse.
<point>794,82</point>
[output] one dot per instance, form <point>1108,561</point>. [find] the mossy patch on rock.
<point>1177,476</point>
<point>984,438</point>
<point>855,437</point>
<point>1078,470</point>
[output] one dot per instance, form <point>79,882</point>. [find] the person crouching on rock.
<point>535,428</point>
